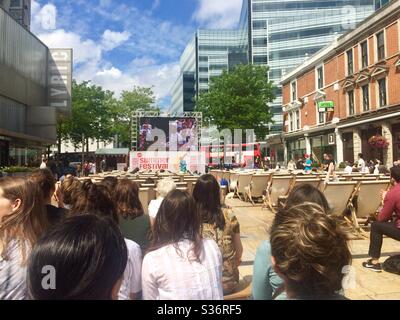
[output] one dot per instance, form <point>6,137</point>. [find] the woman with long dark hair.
<point>23,220</point>
<point>135,225</point>
<point>45,180</point>
<point>180,265</point>
<point>217,224</point>
<point>97,200</point>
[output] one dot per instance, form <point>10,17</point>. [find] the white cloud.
<point>84,50</point>
<point>111,39</point>
<point>144,70</point>
<point>105,3</point>
<point>218,14</point>
<point>153,75</point>
<point>43,18</point>
<point>155,5</point>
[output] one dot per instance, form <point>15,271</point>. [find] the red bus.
<point>238,154</point>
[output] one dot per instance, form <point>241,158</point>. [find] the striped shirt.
<point>169,275</point>
<point>13,274</point>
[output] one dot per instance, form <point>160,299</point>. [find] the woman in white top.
<point>180,265</point>
<point>164,186</point>
<point>23,219</point>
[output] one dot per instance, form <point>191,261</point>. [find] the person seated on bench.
<point>387,222</point>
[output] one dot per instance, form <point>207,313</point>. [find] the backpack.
<point>392,264</point>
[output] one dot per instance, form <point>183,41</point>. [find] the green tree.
<point>239,99</point>
<point>90,117</point>
<point>139,98</point>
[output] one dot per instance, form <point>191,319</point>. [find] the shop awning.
<point>112,152</point>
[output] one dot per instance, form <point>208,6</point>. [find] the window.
<point>260,42</point>
<point>382,92</point>
<point>259,24</point>
<point>380,40</point>
<point>321,117</point>
<point>364,54</point>
<point>294,90</point>
<point>298,120</point>
<point>320,77</point>
<point>15,4</point>
<point>365,97</point>
<point>350,64</point>
<point>290,122</point>
<point>350,95</point>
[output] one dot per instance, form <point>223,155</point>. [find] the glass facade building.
<point>207,55</point>
<point>20,10</point>
<point>380,3</point>
<point>282,34</point>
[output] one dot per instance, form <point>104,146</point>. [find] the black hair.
<point>361,155</point>
<point>307,193</point>
<point>395,173</point>
<point>88,254</point>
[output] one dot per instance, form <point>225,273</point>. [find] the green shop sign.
<point>325,106</point>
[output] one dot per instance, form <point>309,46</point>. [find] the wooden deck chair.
<point>279,186</point>
<point>190,184</point>
<point>233,181</point>
<point>364,179</point>
<point>182,188</point>
<point>298,182</point>
<point>367,202</point>
<point>258,186</point>
<point>226,175</point>
<point>181,185</point>
<point>214,173</point>
<point>339,196</point>
<point>144,199</point>
<point>223,193</point>
<point>152,191</point>
<point>350,177</point>
<point>244,181</point>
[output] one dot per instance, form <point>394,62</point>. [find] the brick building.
<point>358,78</point>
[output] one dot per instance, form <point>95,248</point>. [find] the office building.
<point>345,100</point>
<point>207,55</point>
<point>283,34</point>
<point>20,10</point>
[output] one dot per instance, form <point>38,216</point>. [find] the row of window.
<point>365,97</point>
<point>380,53</point>
<point>298,5</point>
<point>320,83</point>
<point>382,99</point>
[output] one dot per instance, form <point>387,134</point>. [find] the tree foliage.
<point>239,99</point>
<point>98,114</point>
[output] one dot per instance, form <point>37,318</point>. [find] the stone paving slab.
<point>255,223</point>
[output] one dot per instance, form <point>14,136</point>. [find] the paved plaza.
<point>255,223</point>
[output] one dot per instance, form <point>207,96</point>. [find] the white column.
<point>285,151</point>
<point>388,153</point>
<point>308,144</point>
<point>357,144</point>
<point>339,146</point>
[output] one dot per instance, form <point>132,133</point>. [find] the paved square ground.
<point>255,223</point>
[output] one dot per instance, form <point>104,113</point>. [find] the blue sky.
<point>119,44</point>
